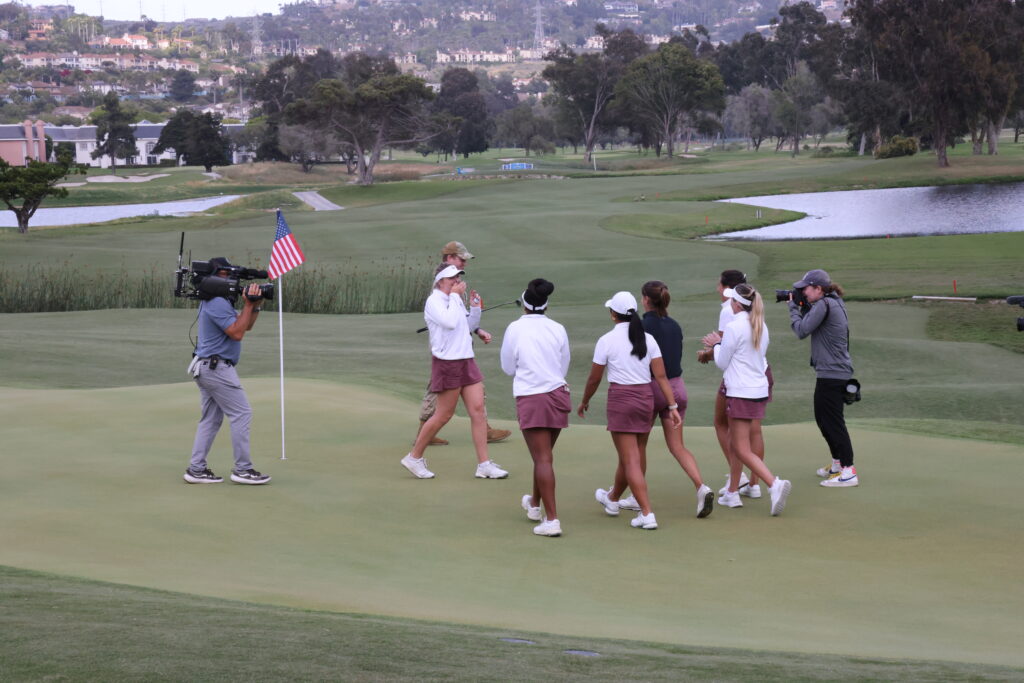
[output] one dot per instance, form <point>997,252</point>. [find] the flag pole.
<point>280,346</point>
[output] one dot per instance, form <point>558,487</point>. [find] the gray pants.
<point>220,394</point>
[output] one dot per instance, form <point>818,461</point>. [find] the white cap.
<point>450,271</point>
<point>622,303</point>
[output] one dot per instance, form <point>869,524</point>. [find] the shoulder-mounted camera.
<point>205,280</point>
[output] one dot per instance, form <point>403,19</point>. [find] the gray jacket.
<point>828,327</point>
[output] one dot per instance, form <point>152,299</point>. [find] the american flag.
<point>286,253</point>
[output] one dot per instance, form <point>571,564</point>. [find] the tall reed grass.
<point>357,286</point>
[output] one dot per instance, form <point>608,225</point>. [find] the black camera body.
<point>1017,301</point>
<point>205,284</point>
<point>798,296</point>
<point>200,281</point>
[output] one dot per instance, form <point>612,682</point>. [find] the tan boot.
<point>436,441</point>
<point>496,435</point>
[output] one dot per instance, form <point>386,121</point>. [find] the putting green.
<point>919,562</point>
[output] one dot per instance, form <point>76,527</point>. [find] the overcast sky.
<point>170,10</point>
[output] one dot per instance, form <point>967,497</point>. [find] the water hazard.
<point>73,215</point>
<point>944,210</point>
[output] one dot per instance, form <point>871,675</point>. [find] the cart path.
<point>317,201</point>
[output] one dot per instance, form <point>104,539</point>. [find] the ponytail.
<point>834,288</point>
<point>756,310</point>
<point>656,292</point>
<point>637,335</point>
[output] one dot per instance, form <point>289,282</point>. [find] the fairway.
<point>886,570</point>
<point>914,574</point>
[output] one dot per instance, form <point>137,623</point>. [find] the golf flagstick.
<point>284,256</point>
<point>280,347</point>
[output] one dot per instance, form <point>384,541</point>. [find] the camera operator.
<point>221,329</point>
<point>823,317</point>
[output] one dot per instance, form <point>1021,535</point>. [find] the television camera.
<point>199,280</point>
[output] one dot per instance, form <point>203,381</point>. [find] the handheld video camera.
<point>199,280</point>
<point>798,296</point>
<point>1017,301</point>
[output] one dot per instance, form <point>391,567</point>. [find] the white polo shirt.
<point>447,325</point>
<point>535,351</point>
<point>616,352</point>
<point>743,364</point>
<point>726,315</point>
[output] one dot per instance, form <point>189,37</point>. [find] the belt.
<point>229,363</point>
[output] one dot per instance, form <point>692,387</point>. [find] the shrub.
<point>897,146</point>
<point>825,151</point>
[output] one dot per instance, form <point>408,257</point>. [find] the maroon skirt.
<point>453,374</point>
<point>545,411</point>
<point>678,397</point>
<point>745,408</point>
<point>630,407</point>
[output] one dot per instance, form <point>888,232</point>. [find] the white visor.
<point>450,271</point>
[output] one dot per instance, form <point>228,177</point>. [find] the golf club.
<point>517,302</point>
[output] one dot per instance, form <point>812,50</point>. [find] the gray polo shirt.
<point>215,316</point>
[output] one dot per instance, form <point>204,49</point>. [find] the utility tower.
<point>538,29</point>
<point>257,36</point>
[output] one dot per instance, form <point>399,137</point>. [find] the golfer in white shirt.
<point>632,357</point>
<point>740,352</point>
<point>535,351</point>
<point>453,373</point>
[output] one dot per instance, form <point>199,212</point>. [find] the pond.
<point>73,215</point>
<point>944,210</point>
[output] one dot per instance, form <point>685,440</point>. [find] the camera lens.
<point>781,295</point>
<point>1020,324</point>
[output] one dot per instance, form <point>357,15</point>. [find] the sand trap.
<point>126,178</point>
<point>69,184</point>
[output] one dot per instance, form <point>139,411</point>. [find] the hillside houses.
<point>98,62</point>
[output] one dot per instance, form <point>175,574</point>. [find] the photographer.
<point>221,329</point>
<point>816,309</point>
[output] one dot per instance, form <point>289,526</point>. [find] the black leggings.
<point>828,413</point>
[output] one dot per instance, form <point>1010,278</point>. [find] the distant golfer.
<point>632,358</point>
<point>535,351</point>
<point>453,373</point>
<point>747,486</point>
<point>740,352</point>
<point>456,254</point>
<point>217,352</point>
<point>669,335</point>
<point>826,322</point>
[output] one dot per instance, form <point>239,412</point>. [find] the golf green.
<point>920,561</point>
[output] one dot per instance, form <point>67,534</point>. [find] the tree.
<point>183,85</point>
<point>200,139</point>
<point>793,104</point>
<point>520,128</point>
<point>669,84</point>
<point>115,136</point>
<point>750,113</point>
<point>587,82</point>
<point>467,123</point>
<point>949,74</point>
<point>307,145</point>
<point>371,107</point>
<point>23,188</point>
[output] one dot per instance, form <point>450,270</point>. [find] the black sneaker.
<point>205,477</point>
<point>249,477</point>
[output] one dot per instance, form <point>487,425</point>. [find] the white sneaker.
<point>629,504</point>
<point>611,507</point>
<point>705,501</point>
<point>826,472</point>
<point>779,492</point>
<point>490,470</point>
<point>845,477</point>
<point>642,521</point>
<point>549,527</point>
<point>532,513</point>
<point>744,480</point>
<point>751,491</point>
<point>418,467</point>
<point>730,500</point>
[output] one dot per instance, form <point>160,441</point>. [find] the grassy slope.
<point>343,528</point>
<point>150,630</point>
